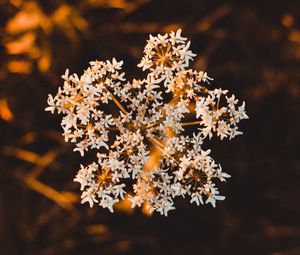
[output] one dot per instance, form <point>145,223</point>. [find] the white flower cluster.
<point>128,121</point>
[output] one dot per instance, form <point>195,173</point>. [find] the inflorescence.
<point>154,113</point>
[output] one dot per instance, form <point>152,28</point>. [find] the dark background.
<point>251,48</point>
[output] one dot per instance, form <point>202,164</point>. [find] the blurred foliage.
<point>251,48</point>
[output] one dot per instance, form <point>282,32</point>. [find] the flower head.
<point>142,136</point>
<point>166,54</point>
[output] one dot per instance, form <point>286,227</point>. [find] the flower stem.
<point>117,102</point>
<point>191,123</point>
<point>155,141</point>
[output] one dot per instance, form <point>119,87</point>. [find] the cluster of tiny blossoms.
<point>172,111</point>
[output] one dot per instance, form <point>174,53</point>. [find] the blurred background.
<point>251,48</point>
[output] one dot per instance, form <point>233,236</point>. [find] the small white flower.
<point>197,198</point>
<point>51,104</point>
<point>89,196</point>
